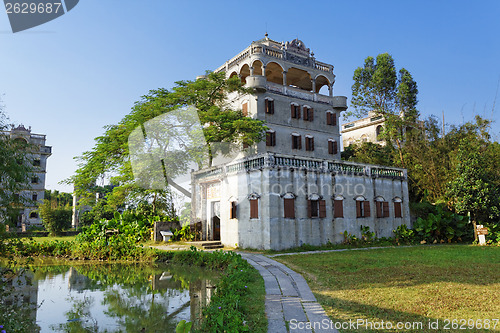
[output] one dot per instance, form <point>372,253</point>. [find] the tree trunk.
<point>475,228</point>
<point>210,156</point>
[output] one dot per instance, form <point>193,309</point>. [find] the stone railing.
<point>271,51</point>
<point>269,160</point>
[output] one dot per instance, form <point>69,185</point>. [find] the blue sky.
<point>70,77</point>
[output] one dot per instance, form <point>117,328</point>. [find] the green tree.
<point>475,190</point>
<point>379,88</point>
<point>54,219</point>
<point>110,157</point>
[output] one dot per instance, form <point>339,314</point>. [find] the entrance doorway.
<point>215,220</point>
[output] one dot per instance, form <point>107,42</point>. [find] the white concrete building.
<point>35,192</point>
<point>292,188</point>
<point>366,129</point>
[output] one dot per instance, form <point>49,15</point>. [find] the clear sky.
<point>70,77</point>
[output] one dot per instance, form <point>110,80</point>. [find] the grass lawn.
<point>51,238</point>
<point>421,284</point>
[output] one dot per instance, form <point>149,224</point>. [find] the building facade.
<point>366,129</point>
<point>292,188</point>
<point>35,192</point>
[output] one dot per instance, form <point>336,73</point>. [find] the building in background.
<point>293,189</point>
<point>35,191</point>
<point>363,130</point>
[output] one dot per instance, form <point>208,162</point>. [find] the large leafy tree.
<point>476,188</point>
<point>111,158</point>
<point>378,87</point>
<point>15,171</point>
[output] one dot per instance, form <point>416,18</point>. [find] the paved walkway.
<point>289,298</point>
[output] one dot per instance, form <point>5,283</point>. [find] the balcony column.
<point>330,90</point>
<point>251,70</point>
<point>313,81</point>
<point>284,78</point>
<point>263,70</point>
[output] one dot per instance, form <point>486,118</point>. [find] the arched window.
<point>316,207</point>
<point>378,132</point>
<point>397,207</point>
<point>289,205</point>
<point>33,215</point>
<point>338,206</point>
<point>382,207</point>
<point>362,207</point>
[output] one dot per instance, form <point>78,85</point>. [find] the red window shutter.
<point>292,111</point>
<point>271,107</point>
<point>268,138</point>
<point>378,206</point>
<point>308,147</point>
<point>366,210</point>
<point>338,208</point>
<point>397,209</point>
<point>254,208</point>
<point>274,139</point>
<point>289,205</point>
<point>335,147</point>
<point>386,209</point>
<point>309,212</point>
<point>334,119</point>
<point>311,114</point>
<point>306,114</point>
<point>358,208</point>
<point>322,209</point>
<point>244,109</point>
<point>328,118</point>
<point>330,147</point>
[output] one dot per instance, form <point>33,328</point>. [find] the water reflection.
<point>110,298</point>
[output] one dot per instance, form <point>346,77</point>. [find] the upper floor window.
<point>308,113</point>
<point>332,147</point>
<point>296,141</point>
<point>254,205</point>
<point>34,180</point>
<point>233,210</point>
<point>34,196</point>
<point>269,106</point>
<point>331,118</point>
<point>295,111</point>
<point>270,138</point>
<point>36,162</point>
<point>309,143</point>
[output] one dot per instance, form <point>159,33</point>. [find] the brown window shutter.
<point>244,109</point>
<point>328,118</point>
<point>309,212</point>
<point>254,208</point>
<point>330,147</point>
<point>267,105</point>
<point>338,208</point>
<point>335,147</point>
<point>311,114</point>
<point>386,209</point>
<point>334,119</point>
<point>378,206</point>
<point>366,210</point>
<point>273,139</point>
<point>312,144</point>
<point>233,210</point>
<point>298,111</point>
<point>322,209</point>
<point>269,137</point>
<point>397,209</point>
<point>358,208</point>
<point>308,145</point>
<point>292,111</point>
<point>289,205</point>
<point>300,141</point>
<point>306,114</point>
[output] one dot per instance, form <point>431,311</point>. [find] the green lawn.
<point>53,238</point>
<point>422,284</point>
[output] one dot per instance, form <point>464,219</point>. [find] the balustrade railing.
<point>274,160</point>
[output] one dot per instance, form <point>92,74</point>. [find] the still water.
<point>109,297</point>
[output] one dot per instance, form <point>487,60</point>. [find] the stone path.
<point>289,299</point>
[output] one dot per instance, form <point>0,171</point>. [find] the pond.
<point>98,297</point>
